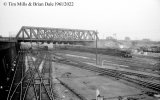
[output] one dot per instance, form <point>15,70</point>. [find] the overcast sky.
<point>134,18</point>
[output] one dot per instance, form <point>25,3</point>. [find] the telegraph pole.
<point>96,50</point>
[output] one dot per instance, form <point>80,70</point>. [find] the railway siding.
<point>113,73</point>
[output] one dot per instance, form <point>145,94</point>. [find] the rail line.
<point>113,73</point>
<point>32,79</point>
<point>79,96</point>
<point>138,63</point>
<point>13,87</point>
<point>42,83</point>
<point>109,72</point>
<point>36,83</point>
<point>62,57</point>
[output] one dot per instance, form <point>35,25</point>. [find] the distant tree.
<point>109,38</point>
<point>127,38</point>
<point>146,40</point>
<point>134,43</point>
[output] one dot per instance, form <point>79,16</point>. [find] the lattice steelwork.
<point>27,33</point>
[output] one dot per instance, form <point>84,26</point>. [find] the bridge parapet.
<point>7,39</point>
<point>28,33</point>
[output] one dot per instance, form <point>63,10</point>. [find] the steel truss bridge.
<point>55,35</point>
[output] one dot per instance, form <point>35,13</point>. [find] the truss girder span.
<point>55,34</point>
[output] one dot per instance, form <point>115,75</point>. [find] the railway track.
<point>14,89</point>
<point>41,80</point>
<point>113,73</point>
<point>119,71</point>
<point>133,62</point>
<point>57,96</point>
<point>33,84</point>
<point>36,83</point>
